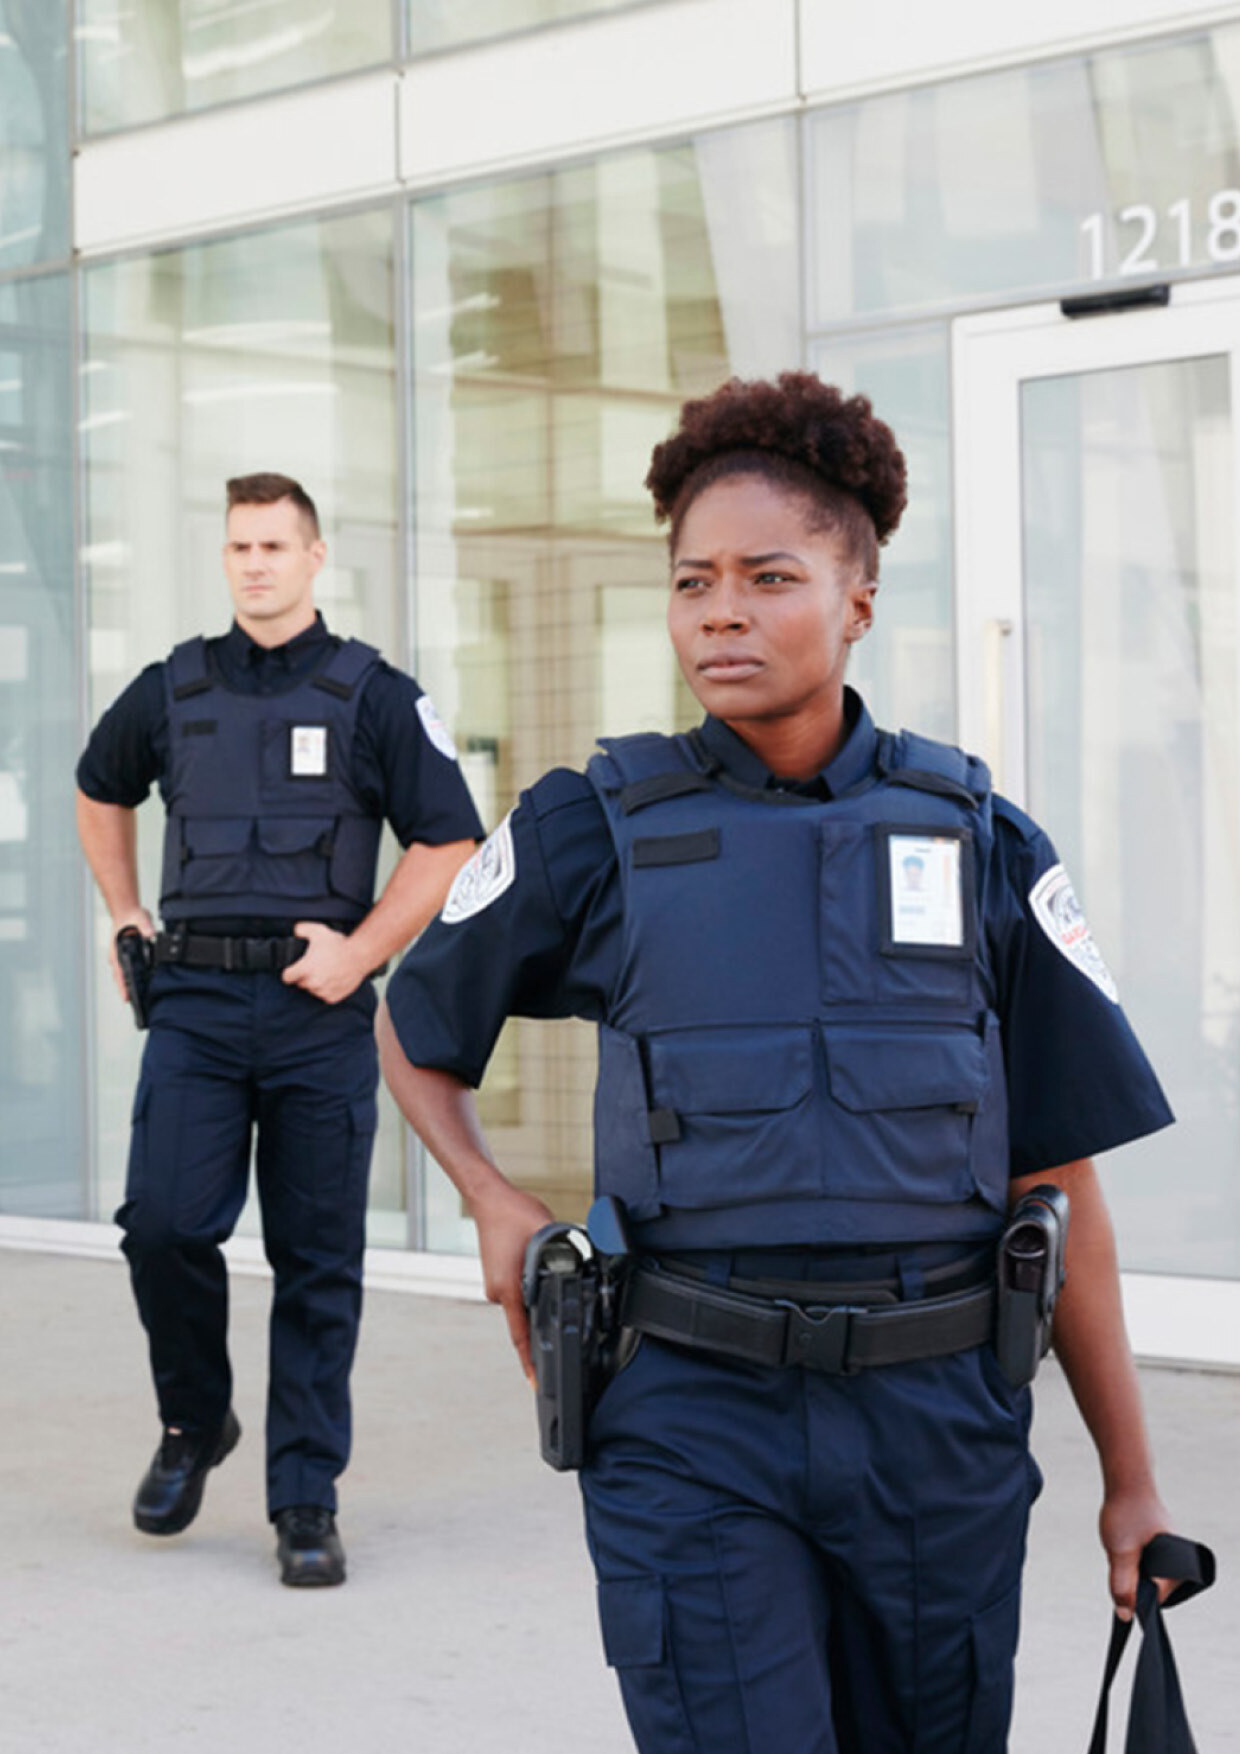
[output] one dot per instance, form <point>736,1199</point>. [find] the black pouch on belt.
<point>1030,1273</point>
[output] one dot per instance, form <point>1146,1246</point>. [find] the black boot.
<point>308,1546</point>
<point>171,1491</point>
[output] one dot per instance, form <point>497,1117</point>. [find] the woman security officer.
<point>848,1012</point>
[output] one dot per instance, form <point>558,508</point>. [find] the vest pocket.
<point>212,856</point>
<point>744,1123</point>
<point>900,1124</point>
<point>293,855</point>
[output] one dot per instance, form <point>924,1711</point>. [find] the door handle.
<point>997,637</point>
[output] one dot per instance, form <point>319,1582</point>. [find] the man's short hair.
<point>267,489</point>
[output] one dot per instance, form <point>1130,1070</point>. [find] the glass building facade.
<point>469,377</point>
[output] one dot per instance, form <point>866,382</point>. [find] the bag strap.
<point>1157,1721</point>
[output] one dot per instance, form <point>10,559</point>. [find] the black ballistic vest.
<point>800,1048</point>
<point>263,820</point>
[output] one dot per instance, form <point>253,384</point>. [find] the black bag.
<point>1157,1721</point>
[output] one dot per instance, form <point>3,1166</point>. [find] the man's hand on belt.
<point>330,967</point>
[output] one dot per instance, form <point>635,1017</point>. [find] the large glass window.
<point>442,24</point>
<point>271,350</point>
<point>42,1075</point>
<point>144,60</point>
<point>1044,178</point>
<point>34,133</point>
<point>559,321</point>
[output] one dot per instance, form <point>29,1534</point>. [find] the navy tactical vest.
<point>263,819</point>
<point>803,1046</point>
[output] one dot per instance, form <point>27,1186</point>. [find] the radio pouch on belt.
<point>1030,1272</point>
<point>1157,1721</point>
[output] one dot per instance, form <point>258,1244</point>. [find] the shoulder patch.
<point>484,878</point>
<point>437,732</point>
<point>1053,903</point>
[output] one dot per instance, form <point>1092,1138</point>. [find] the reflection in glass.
<point>274,350</point>
<point>34,133</point>
<point>1037,178</point>
<point>1134,739</point>
<point>42,1082</point>
<point>904,667</point>
<point>144,60</point>
<point>444,24</point>
<point>559,322</point>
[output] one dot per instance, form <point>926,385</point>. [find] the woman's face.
<point>764,608</point>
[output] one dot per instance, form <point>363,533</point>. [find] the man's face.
<point>272,559</point>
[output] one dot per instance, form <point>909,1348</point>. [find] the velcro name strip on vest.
<point>676,849</point>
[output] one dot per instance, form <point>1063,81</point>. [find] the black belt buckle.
<point>817,1336</point>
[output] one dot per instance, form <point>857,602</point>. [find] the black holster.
<point>1030,1274</point>
<point>571,1285</point>
<point>135,953</point>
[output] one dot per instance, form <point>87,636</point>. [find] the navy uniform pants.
<point>795,1563</point>
<point>230,1056</point>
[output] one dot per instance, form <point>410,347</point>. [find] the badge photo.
<point>307,752</point>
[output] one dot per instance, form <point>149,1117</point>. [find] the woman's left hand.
<point>1130,1519</point>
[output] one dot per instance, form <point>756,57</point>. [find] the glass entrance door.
<point>1098,497</point>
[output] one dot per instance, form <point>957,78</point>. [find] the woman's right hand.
<point>507,1218</point>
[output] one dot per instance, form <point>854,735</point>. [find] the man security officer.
<point>279,750</point>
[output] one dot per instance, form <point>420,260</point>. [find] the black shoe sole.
<point>174,1522</point>
<point>317,1572</point>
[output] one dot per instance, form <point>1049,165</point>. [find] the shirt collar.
<point>245,652</point>
<point>854,762</point>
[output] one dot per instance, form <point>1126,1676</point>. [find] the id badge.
<point>307,753</point>
<point>923,881</point>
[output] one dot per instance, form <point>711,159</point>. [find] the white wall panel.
<point>661,69</point>
<point>858,45</point>
<point>308,149</point>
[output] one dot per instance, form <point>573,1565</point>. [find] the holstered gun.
<point>133,953</point>
<point>570,1281</point>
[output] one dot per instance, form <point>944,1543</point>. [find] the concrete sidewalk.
<point>468,1623</point>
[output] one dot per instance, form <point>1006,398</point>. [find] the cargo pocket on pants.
<point>633,1615</point>
<point>993,1633</point>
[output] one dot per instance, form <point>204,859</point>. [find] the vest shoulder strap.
<point>347,668</point>
<point>645,769</point>
<point>189,672</point>
<point>909,759</point>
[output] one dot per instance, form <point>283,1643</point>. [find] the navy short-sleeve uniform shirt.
<point>538,934</point>
<point>399,772</point>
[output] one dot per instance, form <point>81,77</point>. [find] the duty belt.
<point>248,955</point>
<point>838,1338</point>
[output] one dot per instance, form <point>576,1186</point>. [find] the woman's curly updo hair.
<point>799,434</point>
